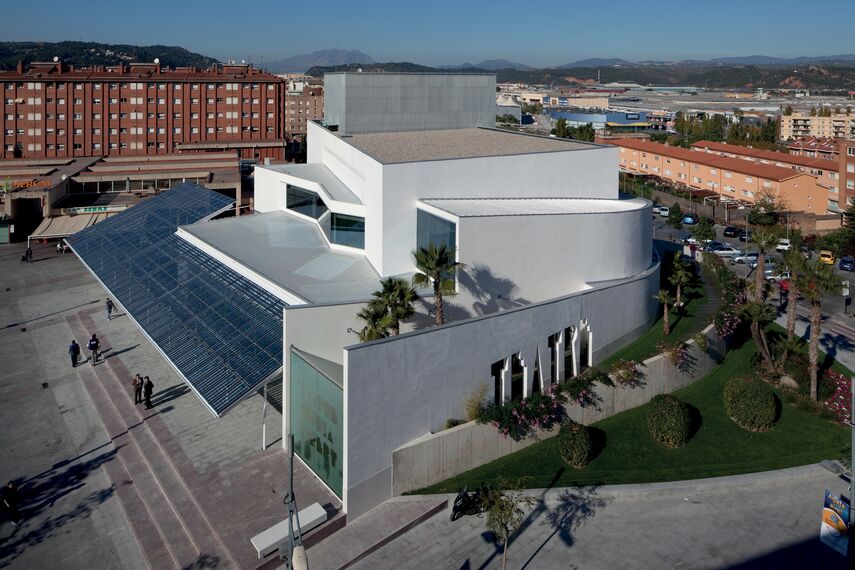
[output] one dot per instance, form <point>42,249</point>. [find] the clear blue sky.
<point>443,32</point>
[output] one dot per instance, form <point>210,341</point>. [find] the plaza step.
<point>152,500</point>
<point>186,533</point>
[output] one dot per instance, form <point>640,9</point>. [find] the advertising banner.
<point>834,529</point>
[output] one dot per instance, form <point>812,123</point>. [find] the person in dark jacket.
<point>148,388</point>
<point>10,502</point>
<point>74,353</point>
<point>93,346</point>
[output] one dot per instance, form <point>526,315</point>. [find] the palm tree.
<point>760,314</point>
<point>816,280</point>
<point>666,299</point>
<point>377,320</point>
<point>397,296</point>
<point>765,241</point>
<point>436,267</point>
<point>795,264</point>
<point>680,277</point>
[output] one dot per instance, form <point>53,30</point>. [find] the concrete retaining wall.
<point>439,456</point>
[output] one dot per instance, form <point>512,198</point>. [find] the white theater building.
<point>559,270</point>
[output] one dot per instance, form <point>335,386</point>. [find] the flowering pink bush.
<point>677,354</point>
<point>628,373</point>
<point>840,403</point>
<point>518,418</point>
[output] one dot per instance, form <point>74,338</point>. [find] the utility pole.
<point>295,558</point>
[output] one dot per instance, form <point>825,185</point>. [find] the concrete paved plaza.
<point>105,483</point>
<point>765,520</point>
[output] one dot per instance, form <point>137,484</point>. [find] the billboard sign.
<point>834,528</point>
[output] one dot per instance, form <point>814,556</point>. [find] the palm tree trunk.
<point>762,344</point>
<point>395,328</point>
<point>438,317</point>
<point>666,325</point>
<point>792,301</point>
<point>759,277</point>
<point>679,295</point>
<point>813,345</point>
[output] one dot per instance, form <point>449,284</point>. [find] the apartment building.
<point>729,178</point>
<point>53,110</point>
<point>815,147</point>
<point>827,172</point>
<point>837,125</point>
<point>304,101</point>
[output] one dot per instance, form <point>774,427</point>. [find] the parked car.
<point>714,245</point>
<point>747,257</point>
<point>783,245</point>
<point>727,251</point>
<point>773,275</point>
<point>806,253</point>
<point>664,211</point>
<point>826,257</point>
<point>731,231</point>
<point>690,219</point>
<point>655,209</point>
<point>770,262</point>
<point>745,236</point>
<point>847,263</point>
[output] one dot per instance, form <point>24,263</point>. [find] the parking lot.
<point>833,303</point>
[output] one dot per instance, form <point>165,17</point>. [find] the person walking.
<point>28,256</point>
<point>10,502</point>
<point>108,307</point>
<point>148,388</point>
<point>93,346</point>
<point>74,353</point>
<point>138,389</point>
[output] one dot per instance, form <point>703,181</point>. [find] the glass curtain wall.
<point>347,230</point>
<point>304,201</point>
<point>316,412</point>
<point>430,228</point>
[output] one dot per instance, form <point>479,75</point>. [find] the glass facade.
<point>430,228</point>
<point>347,230</point>
<point>317,422</point>
<point>304,201</point>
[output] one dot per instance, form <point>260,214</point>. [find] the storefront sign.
<point>834,529</point>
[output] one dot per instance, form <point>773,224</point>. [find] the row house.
<point>729,178</point>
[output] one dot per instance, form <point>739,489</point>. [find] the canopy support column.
<point>263,420</point>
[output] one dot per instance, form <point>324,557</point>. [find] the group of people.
<point>143,388</point>
<point>62,247</point>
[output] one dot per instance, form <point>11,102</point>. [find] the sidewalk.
<point>106,483</point>
<point>837,334</point>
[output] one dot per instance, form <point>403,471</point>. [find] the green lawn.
<point>683,326</point>
<point>718,448</point>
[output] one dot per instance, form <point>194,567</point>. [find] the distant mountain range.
<point>325,58</point>
<point>489,64</point>
<point>91,53</point>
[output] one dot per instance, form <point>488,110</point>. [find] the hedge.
<point>669,420</point>
<point>751,403</point>
<point>575,443</point>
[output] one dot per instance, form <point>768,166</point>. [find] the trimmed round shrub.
<point>751,403</point>
<point>669,420</point>
<point>575,444</point>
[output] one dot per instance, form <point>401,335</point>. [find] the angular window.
<point>304,202</point>
<point>430,228</point>
<point>347,230</point>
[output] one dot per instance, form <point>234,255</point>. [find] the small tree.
<point>397,296</point>
<point>680,277</point>
<point>377,321</point>
<point>436,267</point>
<point>704,231</point>
<point>506,511</point>
<point>675,216</point>
<point>666,299</point>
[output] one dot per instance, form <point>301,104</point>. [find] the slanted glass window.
<point>347,230</point>
<point>305,202</point>
<point>316,413</point>
<point>430,228</point>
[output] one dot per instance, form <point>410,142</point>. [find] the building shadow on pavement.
<point>169,394</point>
<point>40,493</point>
<point>810,553</point>
<point>50,314</point>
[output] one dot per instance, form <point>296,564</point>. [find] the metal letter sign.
<point>834,528</point>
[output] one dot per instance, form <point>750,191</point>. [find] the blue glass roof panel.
<point>222,332</point>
